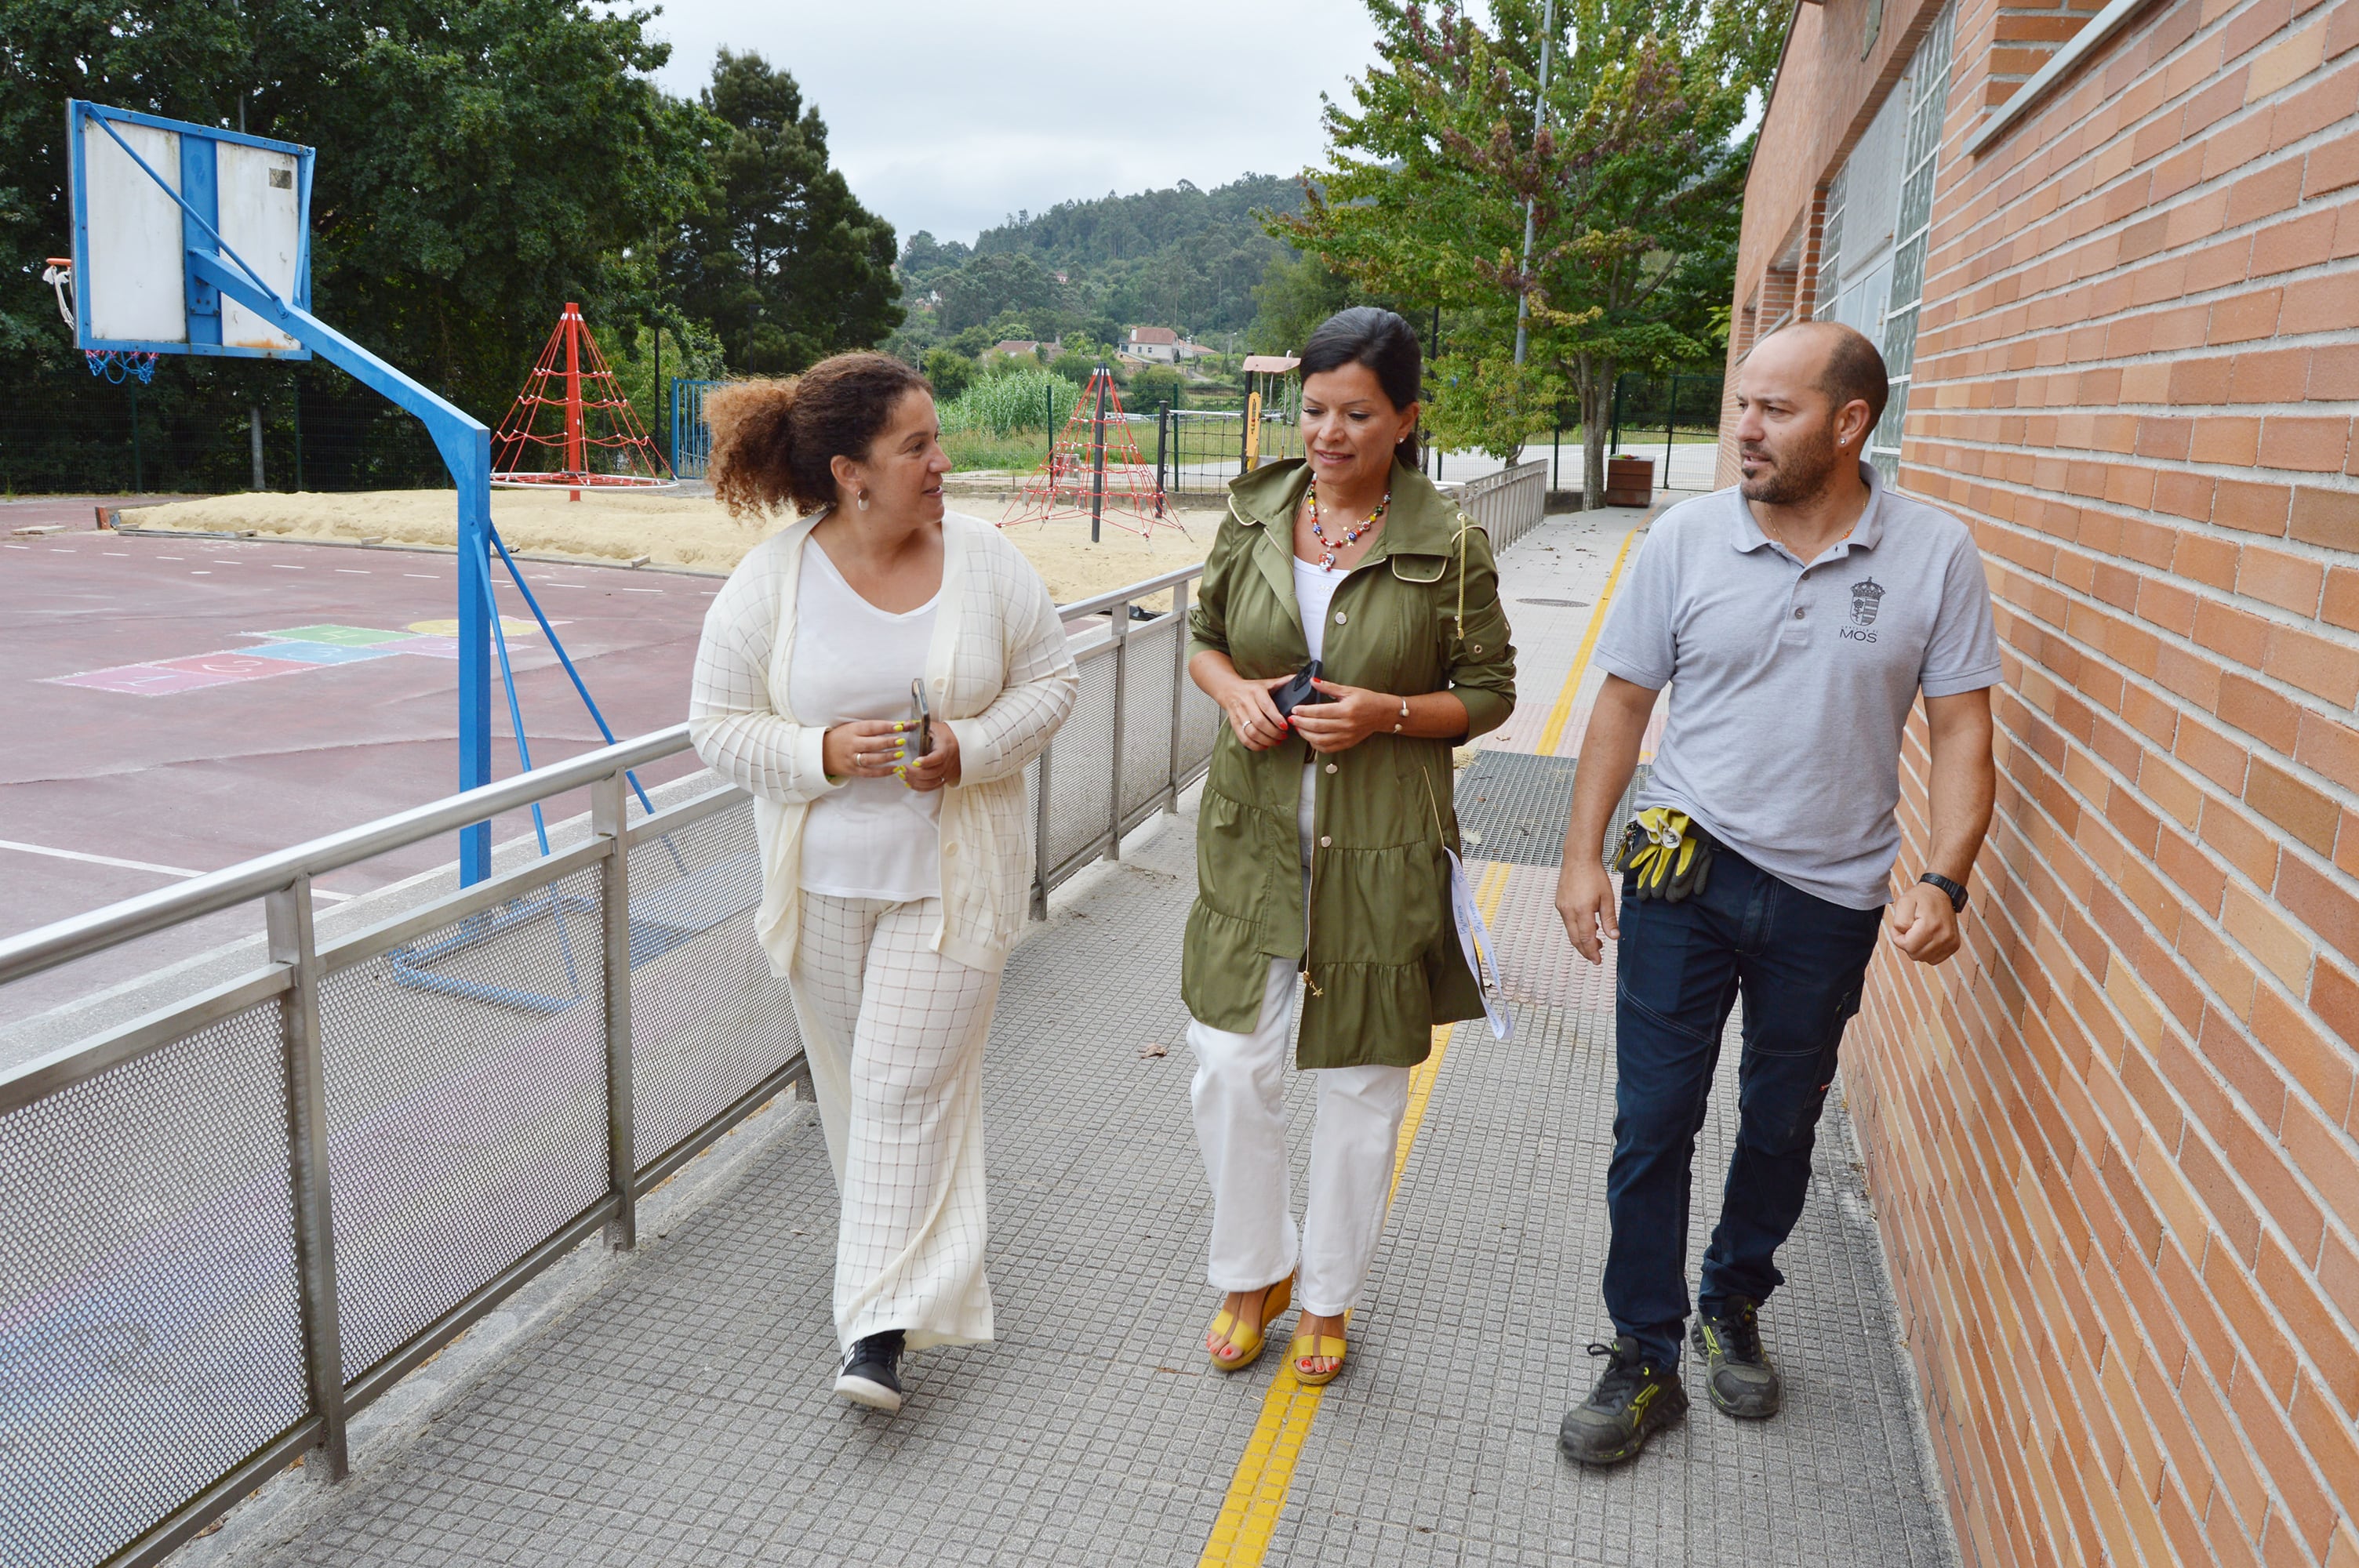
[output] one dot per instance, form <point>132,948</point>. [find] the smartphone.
<point>1299,692</point>
<point>922,717</point>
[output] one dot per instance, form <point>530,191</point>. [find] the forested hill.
<point>1181,257</point>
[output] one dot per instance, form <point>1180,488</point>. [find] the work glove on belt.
<point>1668,856</point>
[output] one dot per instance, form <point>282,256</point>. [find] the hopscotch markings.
<point>286,651</point>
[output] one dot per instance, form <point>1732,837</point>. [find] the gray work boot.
<point>1737,1374</point>
<point>1633,1400</point>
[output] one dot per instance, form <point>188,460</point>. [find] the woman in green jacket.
<point>1318,848</point>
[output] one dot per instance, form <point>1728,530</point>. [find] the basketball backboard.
<point>134,291</point>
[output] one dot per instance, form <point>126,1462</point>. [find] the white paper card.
<point>1474,941</point>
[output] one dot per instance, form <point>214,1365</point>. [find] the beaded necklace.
<point>1351,533</point>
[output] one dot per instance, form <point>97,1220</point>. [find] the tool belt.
<point>1667,854</point>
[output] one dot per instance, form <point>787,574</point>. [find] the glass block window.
<point>1928,89</point>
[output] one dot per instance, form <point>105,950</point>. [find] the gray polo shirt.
<point>1791,684</point>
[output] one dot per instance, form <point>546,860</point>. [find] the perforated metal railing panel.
<point>148,1330</point>
<point>708,1020</point>
<point>1199,726</point>
<point>1081,776</point>
<point>466,1088</point>
<point>1153,659</point>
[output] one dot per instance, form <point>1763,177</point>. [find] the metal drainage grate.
<point>1513,806</point>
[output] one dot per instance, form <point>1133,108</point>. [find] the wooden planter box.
<point>1629,482</point>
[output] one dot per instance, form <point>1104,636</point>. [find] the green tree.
<point>951,373</point>
<point>1152,385</point>
<point>1294,294</point>
<point>1078,364</point>
<point>782,260</point>
<point>987,287</point>
<point>691,349</point>
<point>481,163</point>
<point>1633,182</point>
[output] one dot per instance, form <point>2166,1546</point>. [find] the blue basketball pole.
<point>465,443</point>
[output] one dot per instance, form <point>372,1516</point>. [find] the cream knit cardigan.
<point>997,670</point>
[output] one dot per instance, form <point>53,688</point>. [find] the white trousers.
<point>895,1035</point>
<point>1241,1124</point>
<point>1239,1094</point>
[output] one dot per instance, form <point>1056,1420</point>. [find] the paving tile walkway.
<point>680,1413</point>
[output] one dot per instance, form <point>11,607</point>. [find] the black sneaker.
<point>1737,1375</point>
<point>871,1374</point>
<point>1633,1400</point>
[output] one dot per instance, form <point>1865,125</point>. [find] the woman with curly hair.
<point>877,677</point>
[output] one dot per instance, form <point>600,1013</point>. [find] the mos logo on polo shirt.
<point>1866,599</point>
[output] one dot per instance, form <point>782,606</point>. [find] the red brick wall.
<point>2112,1144</point>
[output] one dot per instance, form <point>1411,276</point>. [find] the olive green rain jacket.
<point>1420,614</point>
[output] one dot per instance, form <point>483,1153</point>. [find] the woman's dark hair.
<point>1380,340</point>
<point>773,440</point>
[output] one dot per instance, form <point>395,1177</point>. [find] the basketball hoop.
<point>117,365</point>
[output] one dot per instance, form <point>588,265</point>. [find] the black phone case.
<point>1299,692</point>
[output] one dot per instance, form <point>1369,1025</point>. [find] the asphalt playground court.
<point>672,1405</point>
<point>174,706</point>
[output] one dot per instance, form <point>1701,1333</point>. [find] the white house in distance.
<point>1161,345</point>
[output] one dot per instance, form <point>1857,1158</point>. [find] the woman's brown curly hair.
<point>773,440</point>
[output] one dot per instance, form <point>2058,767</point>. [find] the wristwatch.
<point>1957,891</point>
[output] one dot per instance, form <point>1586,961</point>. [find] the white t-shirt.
<point>1314,591</point>
<point>869,837</point>
<point>1314,594</point>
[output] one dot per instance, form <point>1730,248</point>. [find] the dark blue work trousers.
<point>1799,963</point>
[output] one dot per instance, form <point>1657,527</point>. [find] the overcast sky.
<point>949,114</point>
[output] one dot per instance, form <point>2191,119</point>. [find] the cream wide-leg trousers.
<point>895,1035</point>
<point>1239,1094</point>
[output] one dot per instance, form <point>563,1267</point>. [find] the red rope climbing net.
<point>572,413</point>
<point>1096,439</point>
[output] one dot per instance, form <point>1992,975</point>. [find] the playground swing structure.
<point>161,266</point>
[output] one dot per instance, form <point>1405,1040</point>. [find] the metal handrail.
<point>1131,594</point>
<point>295,974</point>
<point>1521,490</point>
<point>80,935</point>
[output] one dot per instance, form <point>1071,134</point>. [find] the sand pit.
<point>668,530</point>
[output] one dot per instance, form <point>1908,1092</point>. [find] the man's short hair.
<point>1855,370</point>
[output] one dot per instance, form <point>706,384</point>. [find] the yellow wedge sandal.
<point>1226,1324</point>
<point>1319,1345</point>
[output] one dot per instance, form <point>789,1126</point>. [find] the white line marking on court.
<point>643,590</point>
<point>171,557</point>
<point>423,577</point>
<point>181,871</point>
<point>283,567</point>
<point>124,553</point>
<point>201,574</point>
<point>60,550</point>
<point>99,859</point>
<point>352,571</point>
<point>15,546</point>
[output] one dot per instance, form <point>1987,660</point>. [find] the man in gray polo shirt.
<point>1796,619</point>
